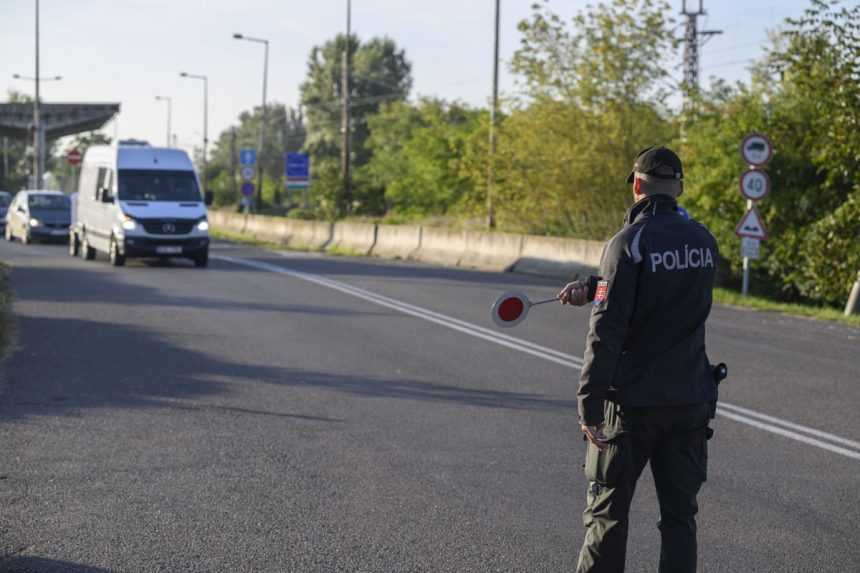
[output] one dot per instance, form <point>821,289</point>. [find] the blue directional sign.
<point>298,166</point>
<point>248,156</point>
<point>248,189</point>
<point>298,170</point>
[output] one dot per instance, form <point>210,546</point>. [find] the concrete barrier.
<point>357,237</point>
<point>552,256</point>
<point>397,241</point>
<point>441,246</point>
<point>316,235</point>
<point>491,251</point>
<point>560,257</point>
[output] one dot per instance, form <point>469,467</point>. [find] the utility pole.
<point>691,50</point>
<point>38,139</point>
<point>491,172</point>
<point>345,115</point>
<point>234,164</point>
<point>169,101</point>
<point>260,162</point>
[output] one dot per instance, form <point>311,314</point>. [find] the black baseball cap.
<point>657,162</point>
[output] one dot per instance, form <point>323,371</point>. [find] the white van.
<point>139,201</point>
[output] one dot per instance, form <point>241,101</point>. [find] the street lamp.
<point>491,175</point>
<point>169,101</point>
<point>38,131</point>
<point>263,119</point>
<point>205,123</point>
<point>38,134</point>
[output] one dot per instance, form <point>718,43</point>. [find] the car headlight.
<point>203,225</point>
<point>34,222</point>
<point>128,223</point>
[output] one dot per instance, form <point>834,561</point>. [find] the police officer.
<point>646,388</point>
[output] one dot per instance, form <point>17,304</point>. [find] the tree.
<point>417,154</point>
<point>285,133</point>
<point>804,96</point>
<point>380,73</point>
<point>593,96</point>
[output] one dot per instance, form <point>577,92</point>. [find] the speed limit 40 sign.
<point>755,184</point>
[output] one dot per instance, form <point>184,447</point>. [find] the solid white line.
<point>789,434</point>
<point>406,306</point>
<point>791,425</point>
<point>533,349</point>
<point>737,413</point>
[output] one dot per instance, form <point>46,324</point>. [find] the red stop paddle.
<point>512,308</point>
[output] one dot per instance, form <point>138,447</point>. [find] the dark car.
<point>39,216</point>
<point>5,199</point>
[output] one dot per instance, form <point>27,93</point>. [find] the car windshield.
<point>149,185</point>
<point>41,202</point>
<point>5,200</point>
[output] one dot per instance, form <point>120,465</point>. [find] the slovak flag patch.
<point>601,292</point>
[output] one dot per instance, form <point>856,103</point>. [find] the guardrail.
<point>553,256</point>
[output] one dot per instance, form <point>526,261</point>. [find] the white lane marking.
<point>443,320</point>
<point>737,413</point>
<point>789,434</point>
<point>738,410</point>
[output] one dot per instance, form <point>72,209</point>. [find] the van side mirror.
<point>106,195</point>
<point>208,198</point>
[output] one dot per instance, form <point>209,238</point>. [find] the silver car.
<point>38,216</point>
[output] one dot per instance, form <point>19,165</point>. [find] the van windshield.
<point>150,185</point>
<point>41,202</point>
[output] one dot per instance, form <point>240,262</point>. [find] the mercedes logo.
<point>168,228</point>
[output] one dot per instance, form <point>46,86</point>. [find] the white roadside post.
<point>756,150</point>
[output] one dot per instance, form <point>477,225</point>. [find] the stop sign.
<point>74,157</point>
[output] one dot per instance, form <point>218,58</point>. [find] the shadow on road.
<point>67,366</point>
<point>42,565</point>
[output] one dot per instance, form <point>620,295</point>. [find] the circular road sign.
<point>247,173</point>
<point>73,157</point>
<point>510,309</point>
<point>248,189</point>
<point>755,184</point>
<point>756,149</point>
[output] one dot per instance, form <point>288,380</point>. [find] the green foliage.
<point>832,254</point>
<point>595,92</point>
<point>284,133</point>
<point>380,73</point>
<point>417,155</point>
<point>805,98</point>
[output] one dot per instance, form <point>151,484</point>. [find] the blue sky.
<point>129,51</point>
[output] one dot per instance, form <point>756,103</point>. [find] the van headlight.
<point>128,223</point>
<point>34,222</point>
<point>203,225</point>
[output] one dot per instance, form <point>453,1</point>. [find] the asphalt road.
<point>306,413</point>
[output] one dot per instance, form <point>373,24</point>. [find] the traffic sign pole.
<point>745,286</point>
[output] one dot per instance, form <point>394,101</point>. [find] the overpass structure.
<point>51,121</point>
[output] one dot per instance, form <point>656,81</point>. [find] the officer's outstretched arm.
<point>614,300</point>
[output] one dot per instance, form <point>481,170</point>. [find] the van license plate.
<point>168,250</point>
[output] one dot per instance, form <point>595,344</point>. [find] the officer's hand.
<point>595,435</point>
<point>575,293</point>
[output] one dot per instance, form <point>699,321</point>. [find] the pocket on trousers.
<point>607,466</point>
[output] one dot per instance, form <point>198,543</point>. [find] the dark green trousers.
<point>674,440</point>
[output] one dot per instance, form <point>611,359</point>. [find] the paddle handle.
<point>553,299</point>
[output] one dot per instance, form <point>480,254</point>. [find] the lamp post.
<point>263,118</point>
<point>38,131</point>
<point>205,123</point>
<point>491,173</point>
<point>169,101</point>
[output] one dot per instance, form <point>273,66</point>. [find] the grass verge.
<point>236,237</point>
<point>734,298</point>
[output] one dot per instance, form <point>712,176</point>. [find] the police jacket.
<point>646,340</point>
